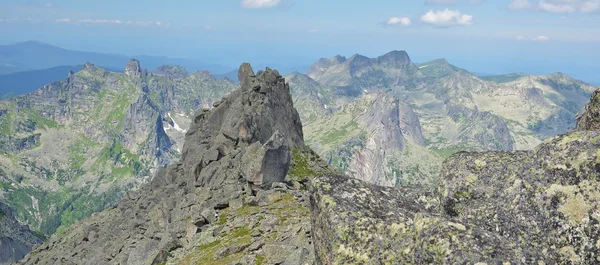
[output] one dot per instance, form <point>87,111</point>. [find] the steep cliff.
<point>376,138</point>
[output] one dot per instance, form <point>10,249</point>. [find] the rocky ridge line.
<point>237,194</point>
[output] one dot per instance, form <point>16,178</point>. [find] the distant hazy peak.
<point>171,70</point>
<point>394,57</point>
<point>88,66</point>
<point>133,69</point>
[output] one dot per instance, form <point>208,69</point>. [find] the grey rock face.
<point>590,118</point>
<point>267,164</point>
<point>133,69</point>
<point>410,124</point>
<point>483,128</point>
<point>206,196</point>
<point>385,137</point>
<point>16,240</point>
<point>144,121</point>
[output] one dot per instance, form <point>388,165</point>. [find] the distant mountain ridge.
<point>37,55</point>
<point>454,109</point>
<point>74,146</point>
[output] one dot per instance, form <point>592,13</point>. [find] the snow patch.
<point>420,67</point>
<point>175,125</point>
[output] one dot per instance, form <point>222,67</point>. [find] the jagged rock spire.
<point>133,68</point>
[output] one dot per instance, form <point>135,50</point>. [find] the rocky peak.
<point>133,69</point>
<point>394,58</point>
<point>236,157</point>
<point>338,59</point>
<point>89,67</point>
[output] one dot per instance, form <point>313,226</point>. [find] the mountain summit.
<point>226,199</point>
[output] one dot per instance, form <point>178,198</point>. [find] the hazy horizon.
<point>495,37</point>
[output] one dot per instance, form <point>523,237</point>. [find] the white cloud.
<point>208,28</point>
<point>520,4</point>
<point>20,20</point>
<point>451,2</point>
<point>541,38</point>
<point>557,6</point>
<point>99,21</point>
<point>446,18</point>
<point>313,30</point>
<point>520,38</point>
<point>253,4</point>
<point>88,21</point>
<point>398,21</point>
<point>442,2</point>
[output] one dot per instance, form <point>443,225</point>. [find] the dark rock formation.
<point>481,128</point>
<point>590,118</point>
<point>133,69</point>
<point>410,124</point>
<point>16,240</point>
<point>209,206</point>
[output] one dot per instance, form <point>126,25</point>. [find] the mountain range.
<point>389,121</point>
<point>76,146</point>
<point>249,191</point>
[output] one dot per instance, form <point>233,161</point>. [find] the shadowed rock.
<point>16,240</point>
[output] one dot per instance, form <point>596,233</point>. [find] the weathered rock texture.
<point>525,207</point>
<point>236,195</point>
<point>590,118</point>
<point>16,240</point>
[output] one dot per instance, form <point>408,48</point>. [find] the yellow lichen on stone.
<point>575,209</point>
<point>397,229</point>
<point>457,226</point>
<point>349,252</point>
<point>471,178</point>
<point>326,199</point>
<point>563,167</point>
<point>480,164</point>
<point>569,253</point>
<point>555,188</point>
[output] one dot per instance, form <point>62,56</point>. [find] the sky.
<point>485,36</point>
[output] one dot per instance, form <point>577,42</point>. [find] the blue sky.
<point>495,36</point>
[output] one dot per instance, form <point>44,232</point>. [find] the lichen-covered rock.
<point>547,201</point>
<point>525,207</point>
<point>359,223</point>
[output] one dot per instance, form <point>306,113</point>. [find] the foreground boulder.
<point>238,193</point>
<point>527,207</point>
